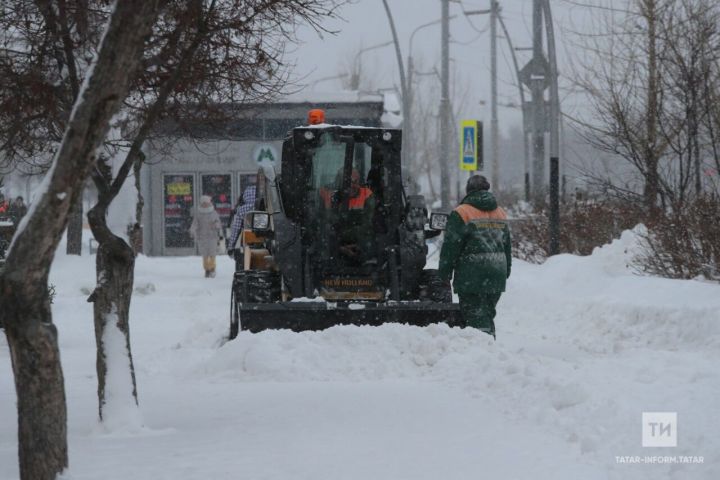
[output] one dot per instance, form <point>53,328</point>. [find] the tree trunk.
<point>74,229</point>
<point>136,237</point>
<point>115,269</point>
<point>24,299</point>
<point>42,414</point>
<point>115,265</point>
<point>652,177</point>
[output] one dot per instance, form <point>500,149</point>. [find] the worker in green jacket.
<point>477,248</point>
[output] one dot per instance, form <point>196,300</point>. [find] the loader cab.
<point>344,185</point>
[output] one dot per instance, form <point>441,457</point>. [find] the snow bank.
<point>343,353</point>
<point>600,302</point>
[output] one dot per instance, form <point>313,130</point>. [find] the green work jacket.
<point>477,246</point>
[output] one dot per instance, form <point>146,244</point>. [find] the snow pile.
<point>343,353</point>
<point>502,378</point>
<point>120,412</point>
<point>618,256</point>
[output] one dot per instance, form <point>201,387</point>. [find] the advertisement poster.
<point>178,207</point>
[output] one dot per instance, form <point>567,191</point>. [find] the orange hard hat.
<point>316,116</point>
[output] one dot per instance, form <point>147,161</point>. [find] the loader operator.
<point>353,227</point>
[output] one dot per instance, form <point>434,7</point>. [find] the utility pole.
<point>444,105</point>
<point>554,241</point>
<point>494,10</point>
<point>538,81</point>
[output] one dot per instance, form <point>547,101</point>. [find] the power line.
<point>599,7</point>
<point>472,40</point>
<point>472,25</point>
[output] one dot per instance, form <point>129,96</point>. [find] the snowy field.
<point>584,347</point>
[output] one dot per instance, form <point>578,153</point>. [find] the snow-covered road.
<point>584,347</point>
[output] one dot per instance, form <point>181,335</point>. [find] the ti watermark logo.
<point>659,429</point>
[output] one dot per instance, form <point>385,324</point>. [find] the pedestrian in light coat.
<point>206,228</point>
<point>477,248</point>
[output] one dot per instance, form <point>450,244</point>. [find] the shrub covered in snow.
<point>585,225</point>
<point>684,244</point>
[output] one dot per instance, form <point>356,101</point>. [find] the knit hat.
<point>205,199</point>
<point>475,183</point>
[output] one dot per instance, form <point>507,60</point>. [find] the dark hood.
<point>481,199</point>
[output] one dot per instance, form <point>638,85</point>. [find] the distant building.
<point>220,160</point>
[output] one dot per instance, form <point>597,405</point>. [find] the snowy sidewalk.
<point>584,348</point>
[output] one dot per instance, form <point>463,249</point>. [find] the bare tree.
<point>620,73</point>
<point>653,78</point>
<point>204,58</point>
<point>690,39</point>
<point>48,47</point>
<point>649,77</point>
<point>25,301</point>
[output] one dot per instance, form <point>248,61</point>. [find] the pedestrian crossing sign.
<point>471,157</point>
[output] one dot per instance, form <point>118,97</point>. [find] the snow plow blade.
<point>301,316</point>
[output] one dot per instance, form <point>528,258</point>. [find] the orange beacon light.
<point>316,116</point>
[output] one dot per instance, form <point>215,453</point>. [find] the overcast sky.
<point>365,24</point>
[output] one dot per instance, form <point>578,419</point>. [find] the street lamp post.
<point>355,74</point>
<point>444,106</point>
<point>403,83</point>
<point>521,90</point>
<point>408,130</point>
<point>494,12</point>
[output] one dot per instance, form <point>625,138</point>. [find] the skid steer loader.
<point>334,240</point>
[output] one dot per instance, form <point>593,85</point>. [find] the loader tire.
<point>433,289</point>
<point>234,312</point>
<point>234,322</point>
